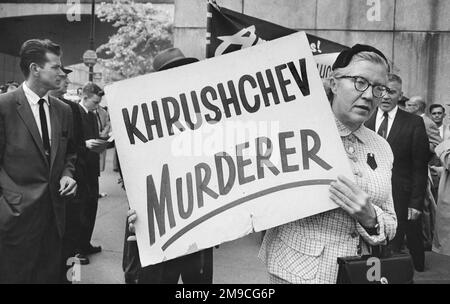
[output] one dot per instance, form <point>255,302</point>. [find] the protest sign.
<point>218,149</point>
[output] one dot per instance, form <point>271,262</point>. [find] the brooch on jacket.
<point>371,161</point>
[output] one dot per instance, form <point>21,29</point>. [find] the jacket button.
<point>358,173</point>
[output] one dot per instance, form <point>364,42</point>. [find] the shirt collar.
<point>84,108</point>
<point>32,97</point>
<point>344,131</point>
<point>391,113</point>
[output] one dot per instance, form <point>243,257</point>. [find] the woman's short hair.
<point>362,56</point>
<point>35,51</point>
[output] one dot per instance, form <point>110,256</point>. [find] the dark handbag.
<point>131,264</point>
<point>382,267</point>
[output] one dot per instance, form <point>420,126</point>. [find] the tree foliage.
<point>142,32</point>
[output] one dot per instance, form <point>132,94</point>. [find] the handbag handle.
<point>382,251</point>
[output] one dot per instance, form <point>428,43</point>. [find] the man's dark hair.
<point>91,88</point>
<point>34,51</point>
<point>434,106</point>
<point>12,83</point>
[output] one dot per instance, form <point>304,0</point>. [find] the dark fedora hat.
<point>171,58</point>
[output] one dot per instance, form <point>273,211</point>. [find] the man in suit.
<point>37,157</point>
<point>437,114</point>
<point>407,137</point>
<point>71,246</point>
<point>416,105</point>
<point>91,97</point>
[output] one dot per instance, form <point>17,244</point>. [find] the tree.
<point>142,32</point>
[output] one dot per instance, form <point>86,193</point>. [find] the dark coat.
<point>90,131</point>
<point>409,143</point>
<point>25,174</point>
<point>32,213</point>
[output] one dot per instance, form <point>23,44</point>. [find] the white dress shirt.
<point>33,100</point>
<point>441,131</point>
<point>380,117</point>
<point>84,108</point>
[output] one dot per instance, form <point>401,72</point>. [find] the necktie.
<point>44,129</point>
<point>382,131</point>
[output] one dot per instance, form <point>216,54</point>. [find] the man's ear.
<point>333,85</point>
<point>34,68</point>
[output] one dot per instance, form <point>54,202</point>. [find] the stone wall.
<point>415,34</point>
<point>9,69</point>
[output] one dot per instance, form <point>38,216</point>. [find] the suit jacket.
<point>80,147</point>
<point>409,143</point>
<point>90,131</point>
<point>26,176</point>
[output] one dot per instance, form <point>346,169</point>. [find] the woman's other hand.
<point>132,218</point>
<point>354,201</point>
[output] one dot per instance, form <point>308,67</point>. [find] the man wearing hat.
<point>408,139</point>
<point>93,146</point>
<point>195,268</point>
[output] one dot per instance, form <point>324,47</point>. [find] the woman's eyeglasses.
<point>362,84</point>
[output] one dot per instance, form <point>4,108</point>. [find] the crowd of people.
<point>50,161</point>
<point>8,87</point>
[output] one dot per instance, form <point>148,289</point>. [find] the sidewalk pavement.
<point>234,262</point>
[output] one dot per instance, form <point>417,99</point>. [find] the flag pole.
<point>209,4</point>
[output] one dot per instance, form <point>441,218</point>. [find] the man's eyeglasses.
<point>437,113</point>
<point>362,84</point>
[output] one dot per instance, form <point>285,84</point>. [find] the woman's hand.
<point>132,218</point>
<point>354,201</point>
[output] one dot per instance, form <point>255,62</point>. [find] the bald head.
<point>416,105</point>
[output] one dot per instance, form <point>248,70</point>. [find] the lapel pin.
<point>371,161</point>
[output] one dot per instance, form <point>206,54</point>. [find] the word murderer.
<point>288,143</point>
<point>217,102</point>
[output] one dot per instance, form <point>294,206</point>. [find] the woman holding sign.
<point>306,251</point>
